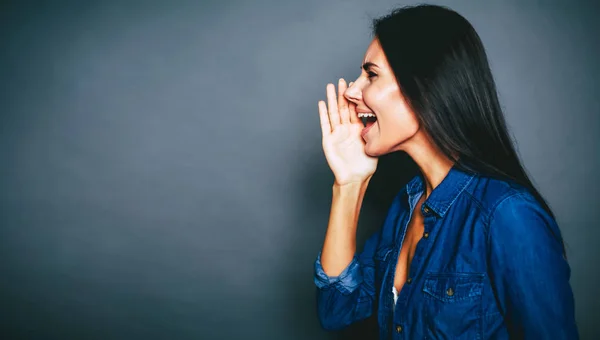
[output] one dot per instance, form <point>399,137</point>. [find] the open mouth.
<point>368,119</point>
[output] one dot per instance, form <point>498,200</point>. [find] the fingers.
<point>325,126</point>
<point>353,115</point>
<point>338,110</point>
<point>352,110</point>
<point>334,116</point>
<point>343,102</point>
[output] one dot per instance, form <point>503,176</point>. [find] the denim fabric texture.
<point>490,265</point>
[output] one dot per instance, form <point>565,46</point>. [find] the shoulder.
<point>514,217</point>
<point>492,194</point>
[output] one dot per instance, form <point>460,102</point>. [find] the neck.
<point>433,164</point>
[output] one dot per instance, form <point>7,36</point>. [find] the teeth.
<point>365,115</point>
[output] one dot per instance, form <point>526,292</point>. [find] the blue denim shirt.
<point>490,265</point>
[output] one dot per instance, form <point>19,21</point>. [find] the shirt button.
<point>398,329</point>
<point>426,209</point>
<point>450,292</point>
<point>425,234</point>
<point>409,280</point>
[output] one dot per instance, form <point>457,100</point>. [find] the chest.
<point>414,233</point>
<point>438,268</point>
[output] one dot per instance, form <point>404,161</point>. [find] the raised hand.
<point>343,146</point>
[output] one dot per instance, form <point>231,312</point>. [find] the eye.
<point>371,74</point>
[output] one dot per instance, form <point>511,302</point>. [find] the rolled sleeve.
<point>529,273</point>
<point>348,280</point>
<point>350,296</point>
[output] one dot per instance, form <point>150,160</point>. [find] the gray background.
<point>161,170</point>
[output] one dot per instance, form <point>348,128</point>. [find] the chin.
<point>373,151</point>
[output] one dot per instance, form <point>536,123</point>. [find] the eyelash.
<point>371,75</point>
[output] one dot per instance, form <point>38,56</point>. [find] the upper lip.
<point>359,110</point>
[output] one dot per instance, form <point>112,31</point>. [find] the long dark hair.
<point>443,72</point>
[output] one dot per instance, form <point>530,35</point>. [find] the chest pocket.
<point>453,307</point>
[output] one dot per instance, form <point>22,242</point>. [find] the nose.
<point>354,93</point>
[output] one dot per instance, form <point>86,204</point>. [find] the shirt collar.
<point>442,196</point>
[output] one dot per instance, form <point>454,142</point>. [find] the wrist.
<point>353,187</point>
<point>352,184</point>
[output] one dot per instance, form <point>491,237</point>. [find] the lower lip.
<point>366,129</point>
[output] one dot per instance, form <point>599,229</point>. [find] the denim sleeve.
<point>529,273</point>
<point>349,297</point>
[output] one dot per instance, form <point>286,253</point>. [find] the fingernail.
<point>341,80</point>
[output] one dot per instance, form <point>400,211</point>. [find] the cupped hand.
<point>342,143</point>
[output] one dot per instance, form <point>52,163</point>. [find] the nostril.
<point>350,94</point>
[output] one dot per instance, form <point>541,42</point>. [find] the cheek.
<point>403,115</point>
<point>402,122</point>
<point>372,96</point>
<point>390,107</point>
<point>383,97</point>
<point>396,123</point>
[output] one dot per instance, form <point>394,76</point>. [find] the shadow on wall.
<point>393,172</point>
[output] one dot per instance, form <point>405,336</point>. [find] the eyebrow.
<point>367,65</point>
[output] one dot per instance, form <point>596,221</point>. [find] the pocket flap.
<point>450,287</point>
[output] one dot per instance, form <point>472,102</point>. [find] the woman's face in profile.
<point>376,91</point>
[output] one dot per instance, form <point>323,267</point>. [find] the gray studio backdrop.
<point>161,170</point>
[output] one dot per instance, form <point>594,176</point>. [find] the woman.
<point>469,249</point>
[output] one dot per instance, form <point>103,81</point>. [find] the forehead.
<point>375,53</point>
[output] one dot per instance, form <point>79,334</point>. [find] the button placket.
<point>421,246</point>
<point>430,218</point>
<point>416,262</point>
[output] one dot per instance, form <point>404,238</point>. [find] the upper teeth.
<point>362,114</point>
